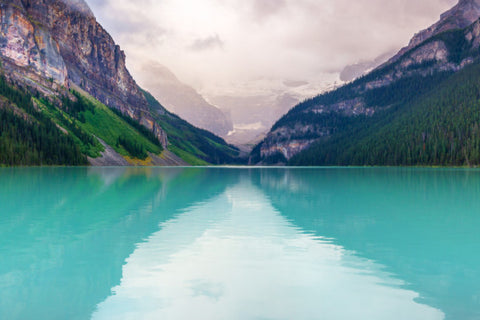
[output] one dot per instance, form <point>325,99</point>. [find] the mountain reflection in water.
<point>239,243</point>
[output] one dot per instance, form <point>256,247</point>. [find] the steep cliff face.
<point>29,47</point>
<point>50,44</point>
<point>445,48</point>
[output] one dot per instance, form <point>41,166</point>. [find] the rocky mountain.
<point>62,42</point>
<point>184,101</point>
<point>65,82</point>
<point>460,16</point>
<point>336,119</point>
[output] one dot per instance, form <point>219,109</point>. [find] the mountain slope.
<point>460,16</point>
<point>68,97</point>
<point>341,117</point>
<point>27,137</point>
<point>440,127</point>
<point>185,102</point>
<point>68,130</point>
<point>194,145</point>
<point>52,44</point>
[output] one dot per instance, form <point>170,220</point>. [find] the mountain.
<point>419,108</point>
<point>253,115</point>
<point>194,145</point>
<point>184,101</point>
<point>255,105</point>
<point>460,16</point>
<point>352,72</point>
<point>67,97</point>
<point>61,42</point>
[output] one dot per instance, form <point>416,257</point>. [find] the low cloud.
<point>267,8</point>
<point>212,42</point>
<point>307,40</point>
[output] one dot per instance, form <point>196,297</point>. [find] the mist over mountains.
<point>418,108</point>
<point>221,49</point>
<point>184,101</point>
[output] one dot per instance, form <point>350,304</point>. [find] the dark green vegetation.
<point>86,120</point>
<point>438,127</point>
<point>36,130</point>
<point>134,148</point>
<point>139,127</point>
<point>194,145</point>
<point>28,137</point>
<point>45,131</point>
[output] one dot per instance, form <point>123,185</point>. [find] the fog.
<point>212,44</point>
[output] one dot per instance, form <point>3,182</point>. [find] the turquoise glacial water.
<point>200,243</point>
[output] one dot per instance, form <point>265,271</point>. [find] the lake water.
<point>199,243</point>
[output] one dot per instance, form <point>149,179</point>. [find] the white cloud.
<point>278,39</point>
<point>211,42</point>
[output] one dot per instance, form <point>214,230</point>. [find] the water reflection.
<point>422,224</point>
<point>237,257</point>
<point>65,233</point>
<point>239,244</point>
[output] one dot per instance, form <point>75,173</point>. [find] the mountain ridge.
<point>462,15</point>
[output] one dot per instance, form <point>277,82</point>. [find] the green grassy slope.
<point>64,131</point>
<point>109,126</point>
<point>90,118</point>
<point>36,130</point>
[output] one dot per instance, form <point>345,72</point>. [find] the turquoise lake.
<point>226,243</point>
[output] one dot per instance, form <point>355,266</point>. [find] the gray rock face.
<point>282,140</point>
<point>28,46</point>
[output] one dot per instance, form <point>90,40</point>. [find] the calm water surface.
<point>243,244</point>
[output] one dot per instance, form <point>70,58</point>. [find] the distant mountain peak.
<point>468,2</point>
<point>463,14</point>
<point>184,100</point>
<point>466,12</point>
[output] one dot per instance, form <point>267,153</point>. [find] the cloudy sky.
<point>223,43</point>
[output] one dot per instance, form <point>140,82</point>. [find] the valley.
<point>68,99</point>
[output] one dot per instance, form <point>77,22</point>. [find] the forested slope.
<point>27,137</point>
<point>438,127</point>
